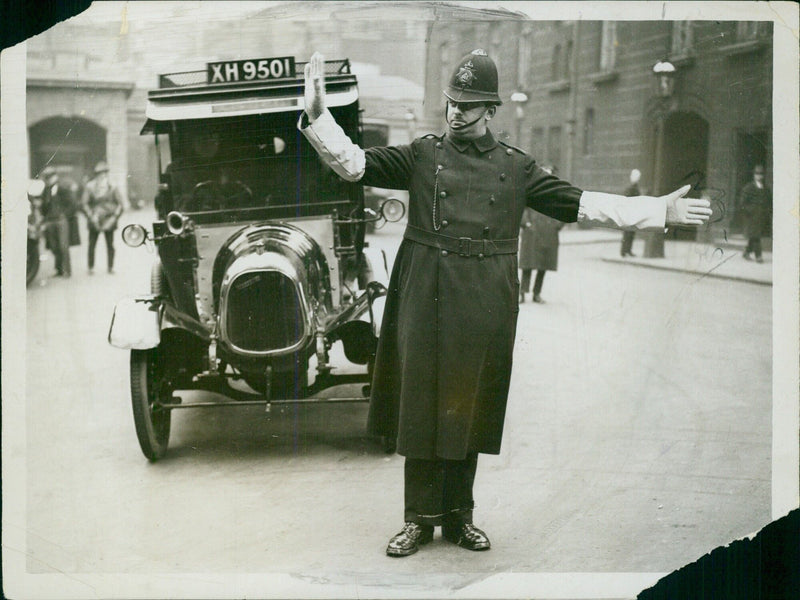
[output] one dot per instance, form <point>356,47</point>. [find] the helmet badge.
<point>466,75</point>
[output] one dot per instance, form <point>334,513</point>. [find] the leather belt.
<point>463,246</point>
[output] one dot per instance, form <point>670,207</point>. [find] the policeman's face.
<point>468,119</point>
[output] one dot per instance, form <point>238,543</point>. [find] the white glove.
<point>315,86</point>
<point>686,211</point>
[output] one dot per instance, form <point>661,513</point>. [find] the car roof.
<point>188,95</point>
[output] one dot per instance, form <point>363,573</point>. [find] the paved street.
<point>637,439</point>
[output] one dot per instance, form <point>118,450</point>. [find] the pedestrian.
<point>755,202</point>
<point>102,205</point>
<point>538,250</point>
<point>538,247</point>
<point>57,207</point>
<point>443,361</point>
<point>627,236</point>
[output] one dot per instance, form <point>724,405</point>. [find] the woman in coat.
<point>443,362</point>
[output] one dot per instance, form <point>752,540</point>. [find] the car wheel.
<point>149,385</point>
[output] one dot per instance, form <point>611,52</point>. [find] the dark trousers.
<point>58,241</point>
<point>627,242</point>
<point>109,235</point>
<point>525,284</point>
<point>754,246</point>
<point>439,492</point>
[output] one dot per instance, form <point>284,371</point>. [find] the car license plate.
<point>257,69</point>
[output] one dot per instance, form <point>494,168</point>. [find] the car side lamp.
<point>134,235</point>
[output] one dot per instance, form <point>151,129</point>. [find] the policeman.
<point>443,362</point>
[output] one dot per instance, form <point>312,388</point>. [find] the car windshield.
<point>247,162</point>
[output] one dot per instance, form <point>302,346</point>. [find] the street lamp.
<point>664,72</point>
<point>519,99</point>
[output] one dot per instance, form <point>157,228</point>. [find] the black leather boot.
<point>410,538</point>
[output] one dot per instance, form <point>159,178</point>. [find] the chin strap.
<point>465,125</point>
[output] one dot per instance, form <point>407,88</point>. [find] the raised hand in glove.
<point>686,211</point>
<point>315,86</point>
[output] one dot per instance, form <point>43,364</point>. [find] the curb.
<point>702,274</point>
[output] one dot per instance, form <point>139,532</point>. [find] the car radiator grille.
<point>263,312</point>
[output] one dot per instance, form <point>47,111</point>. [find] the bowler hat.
<point>474,79</point>
<point>100,167</point>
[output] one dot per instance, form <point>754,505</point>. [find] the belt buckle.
<point>464,246</point>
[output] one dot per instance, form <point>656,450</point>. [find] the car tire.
<point>149,386</point>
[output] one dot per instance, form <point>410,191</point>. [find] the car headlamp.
<point>134,235</point>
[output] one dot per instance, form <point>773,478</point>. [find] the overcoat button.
<point>444,252</point>
<point>491,199</point>
<point>445,223</point>
<point>438,144</point>
<point>442,194</point>
<point>508,151</point>
<point>502,176</point>
<point>480,256</point>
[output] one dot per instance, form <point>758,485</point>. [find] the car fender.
<point>136,324</point>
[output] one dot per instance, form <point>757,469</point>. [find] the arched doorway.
<point>682,157</point>
<point>72,145</point>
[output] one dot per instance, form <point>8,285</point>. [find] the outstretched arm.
<point>643,212</point>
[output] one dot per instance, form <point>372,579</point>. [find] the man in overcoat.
<point>57,207</point>
<point>755,202</point>
<point>443,362</point>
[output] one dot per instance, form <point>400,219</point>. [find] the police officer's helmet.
<point>474,79</point>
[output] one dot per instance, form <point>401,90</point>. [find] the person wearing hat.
<point>102,206</point>
<point>755,202</point>
<point>443,362</point>
<point>57,207</point>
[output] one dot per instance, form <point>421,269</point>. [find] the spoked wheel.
<point>149,387</point>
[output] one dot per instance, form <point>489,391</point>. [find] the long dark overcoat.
<point>443,362</point>
<point>756,205</point>
<point>538,241</point>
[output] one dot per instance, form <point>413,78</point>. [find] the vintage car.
<point>261,263</point>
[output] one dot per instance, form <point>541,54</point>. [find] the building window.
<point>682,41</point>
<point>588,132</point>
<point>747,31</point>
<point>608,47</point>
<point>444,63</point>
<point>524,58</point>
<point>496,41</point>
<point>537,144</point>
<point>554,146</point>
<point>567,69</point>
<point>555,66</point>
